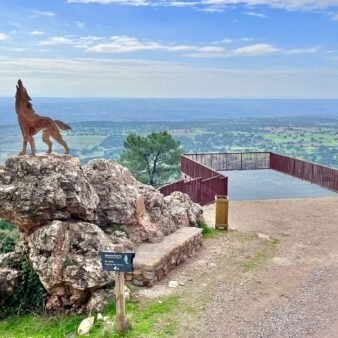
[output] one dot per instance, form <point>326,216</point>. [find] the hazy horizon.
<point>173,109</point>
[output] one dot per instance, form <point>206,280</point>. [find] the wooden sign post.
<point>119,262</point>
<point>121,323</point>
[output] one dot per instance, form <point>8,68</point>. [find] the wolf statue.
<point>31,123</point>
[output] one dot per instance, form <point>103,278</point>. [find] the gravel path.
<point>292,293</point>
<point>309,313</point>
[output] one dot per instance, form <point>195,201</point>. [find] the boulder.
<point>9,274</point>
<point>99,299</point>
<point>117,190</point>
<point>9,279</point>
<point>37,190</point>
<point>10,259</point>
<point>66,257</point>
<point>144,212</point>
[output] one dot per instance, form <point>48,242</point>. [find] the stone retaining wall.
<point>154,261</point>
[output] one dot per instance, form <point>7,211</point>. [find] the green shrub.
<point>6,226</point>
<point>9,237</point>
<point>28,297</point>
<point>207,231</point>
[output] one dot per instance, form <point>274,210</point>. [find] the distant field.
<point>314,139</point>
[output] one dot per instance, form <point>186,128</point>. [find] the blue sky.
<point>148,48</point>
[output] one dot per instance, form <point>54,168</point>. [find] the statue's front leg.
<point>24,147</point>
<point>32,143</point>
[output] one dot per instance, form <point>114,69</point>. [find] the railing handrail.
<point>225,153</point>
<point>305,161</point>
<point>203,165</point>
<point>170,183</point>
<point>211,178</point>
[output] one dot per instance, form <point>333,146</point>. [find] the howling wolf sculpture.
<point>31,123</point>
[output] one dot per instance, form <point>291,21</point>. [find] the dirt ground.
<point>274,275</point>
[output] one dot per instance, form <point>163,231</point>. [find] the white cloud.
<point>3,37</point>
<point>43,13</point>
<point>57,40</point>
<point>119,2</point>
<point>256,14</point>
<point>37,33</point>
<point>178,3</point>
<point>144,78</point>
<point>256,49</point>
<point>285,4</point>
<point>77,42</point>
<point>127,44</point>
<point>123,44</point>
<point>223,41</point>
<point>335,17</point>
<point>220,5</point>
<point>212,9</point>
<point>296,51</point>
<point>80,24</point>
<point>13,49</point>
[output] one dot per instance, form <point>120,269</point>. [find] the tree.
<point>152,159</point>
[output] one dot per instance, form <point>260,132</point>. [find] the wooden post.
<point>121,323</point>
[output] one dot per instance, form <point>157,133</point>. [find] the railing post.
<point>199,190</point>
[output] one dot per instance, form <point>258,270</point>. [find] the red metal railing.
<point>192,188</point>
<point>308,171</point>
<point>202,181</point>
<point>233,161</point>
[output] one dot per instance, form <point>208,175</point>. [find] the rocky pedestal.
<point>37,190</point>
<point>68,213</point>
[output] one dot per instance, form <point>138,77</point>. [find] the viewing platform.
<point>252,176</point>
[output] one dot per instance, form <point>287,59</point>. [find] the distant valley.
<point>314,139</point>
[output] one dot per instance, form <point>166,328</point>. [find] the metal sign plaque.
<point>117,261</point>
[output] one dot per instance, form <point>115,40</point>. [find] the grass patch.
<point>148,320</point>
<point>258,259</point>
<point>261,256</point>
<point>208,232</point>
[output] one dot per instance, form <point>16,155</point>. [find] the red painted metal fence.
<point>233,161</point>
<point>202,181</point>
<point>192,188</point>
<point>311,172</point>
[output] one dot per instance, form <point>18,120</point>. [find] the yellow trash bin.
<point>222,212</point>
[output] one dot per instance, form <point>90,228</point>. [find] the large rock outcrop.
<point>146,213</point>
<point>37,190</point>
<point>68,213</point>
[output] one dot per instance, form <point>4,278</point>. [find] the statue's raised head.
<point>21,92</point>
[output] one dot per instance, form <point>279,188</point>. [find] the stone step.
<point>153,261</point>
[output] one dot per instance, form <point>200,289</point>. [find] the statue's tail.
<point>62,125</point>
